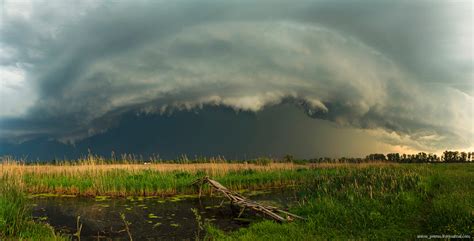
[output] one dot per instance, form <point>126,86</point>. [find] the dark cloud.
<point>398,68</point>
<point>211,131</point>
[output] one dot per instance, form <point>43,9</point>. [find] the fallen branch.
<point>239,200</point>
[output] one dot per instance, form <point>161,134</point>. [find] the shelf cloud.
<point>401,71</point>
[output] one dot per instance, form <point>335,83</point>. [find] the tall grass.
<point>15,215</point>
<point>341,201</point>
<point>376,203</point>
<point>91,179</point>
<point>13,208</point>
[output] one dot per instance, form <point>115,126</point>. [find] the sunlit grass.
<point>376,203</point>
<point>91,179</point>
<point>340,201</point>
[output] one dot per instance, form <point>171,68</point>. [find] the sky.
<point>235,78</point>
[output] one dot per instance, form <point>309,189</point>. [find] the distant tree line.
<point>421,157</point>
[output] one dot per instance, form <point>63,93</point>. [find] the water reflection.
<point>151,218</point>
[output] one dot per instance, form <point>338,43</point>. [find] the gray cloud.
<point>402,69</point>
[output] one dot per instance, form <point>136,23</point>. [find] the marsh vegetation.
<point>368,200</point>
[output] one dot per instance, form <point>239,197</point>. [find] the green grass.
<point>149,182</point>
<point>386,203</point>
<point>342,202</point>
<point>15,215</point>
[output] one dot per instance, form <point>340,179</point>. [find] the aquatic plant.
<point>79,228</point>
<point>126,223</point>
<point>199,222</point>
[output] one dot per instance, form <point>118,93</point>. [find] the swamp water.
<point>150,218</point>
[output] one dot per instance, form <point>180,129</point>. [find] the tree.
<point>288,158</point>
<point>393,157</point>
<point>376,157</point>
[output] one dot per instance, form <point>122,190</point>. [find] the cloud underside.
<point>87,77</point>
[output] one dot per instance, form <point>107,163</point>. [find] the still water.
<point>150,218</point>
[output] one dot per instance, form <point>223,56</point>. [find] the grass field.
<point>377,201</point>
<point>399,202</point>
<point>145,180</point>
<point>156,179</point>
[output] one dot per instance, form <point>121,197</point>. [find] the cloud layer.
<point>70,70</point>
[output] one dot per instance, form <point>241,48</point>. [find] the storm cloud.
<point>400,70</point>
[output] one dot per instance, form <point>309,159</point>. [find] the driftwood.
<point>237,199</point>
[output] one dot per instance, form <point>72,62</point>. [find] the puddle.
<point>150,218</point>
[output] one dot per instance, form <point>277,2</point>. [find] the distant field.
<point>218,168</point>
<point>156,179</point>
<point>372,200</point>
